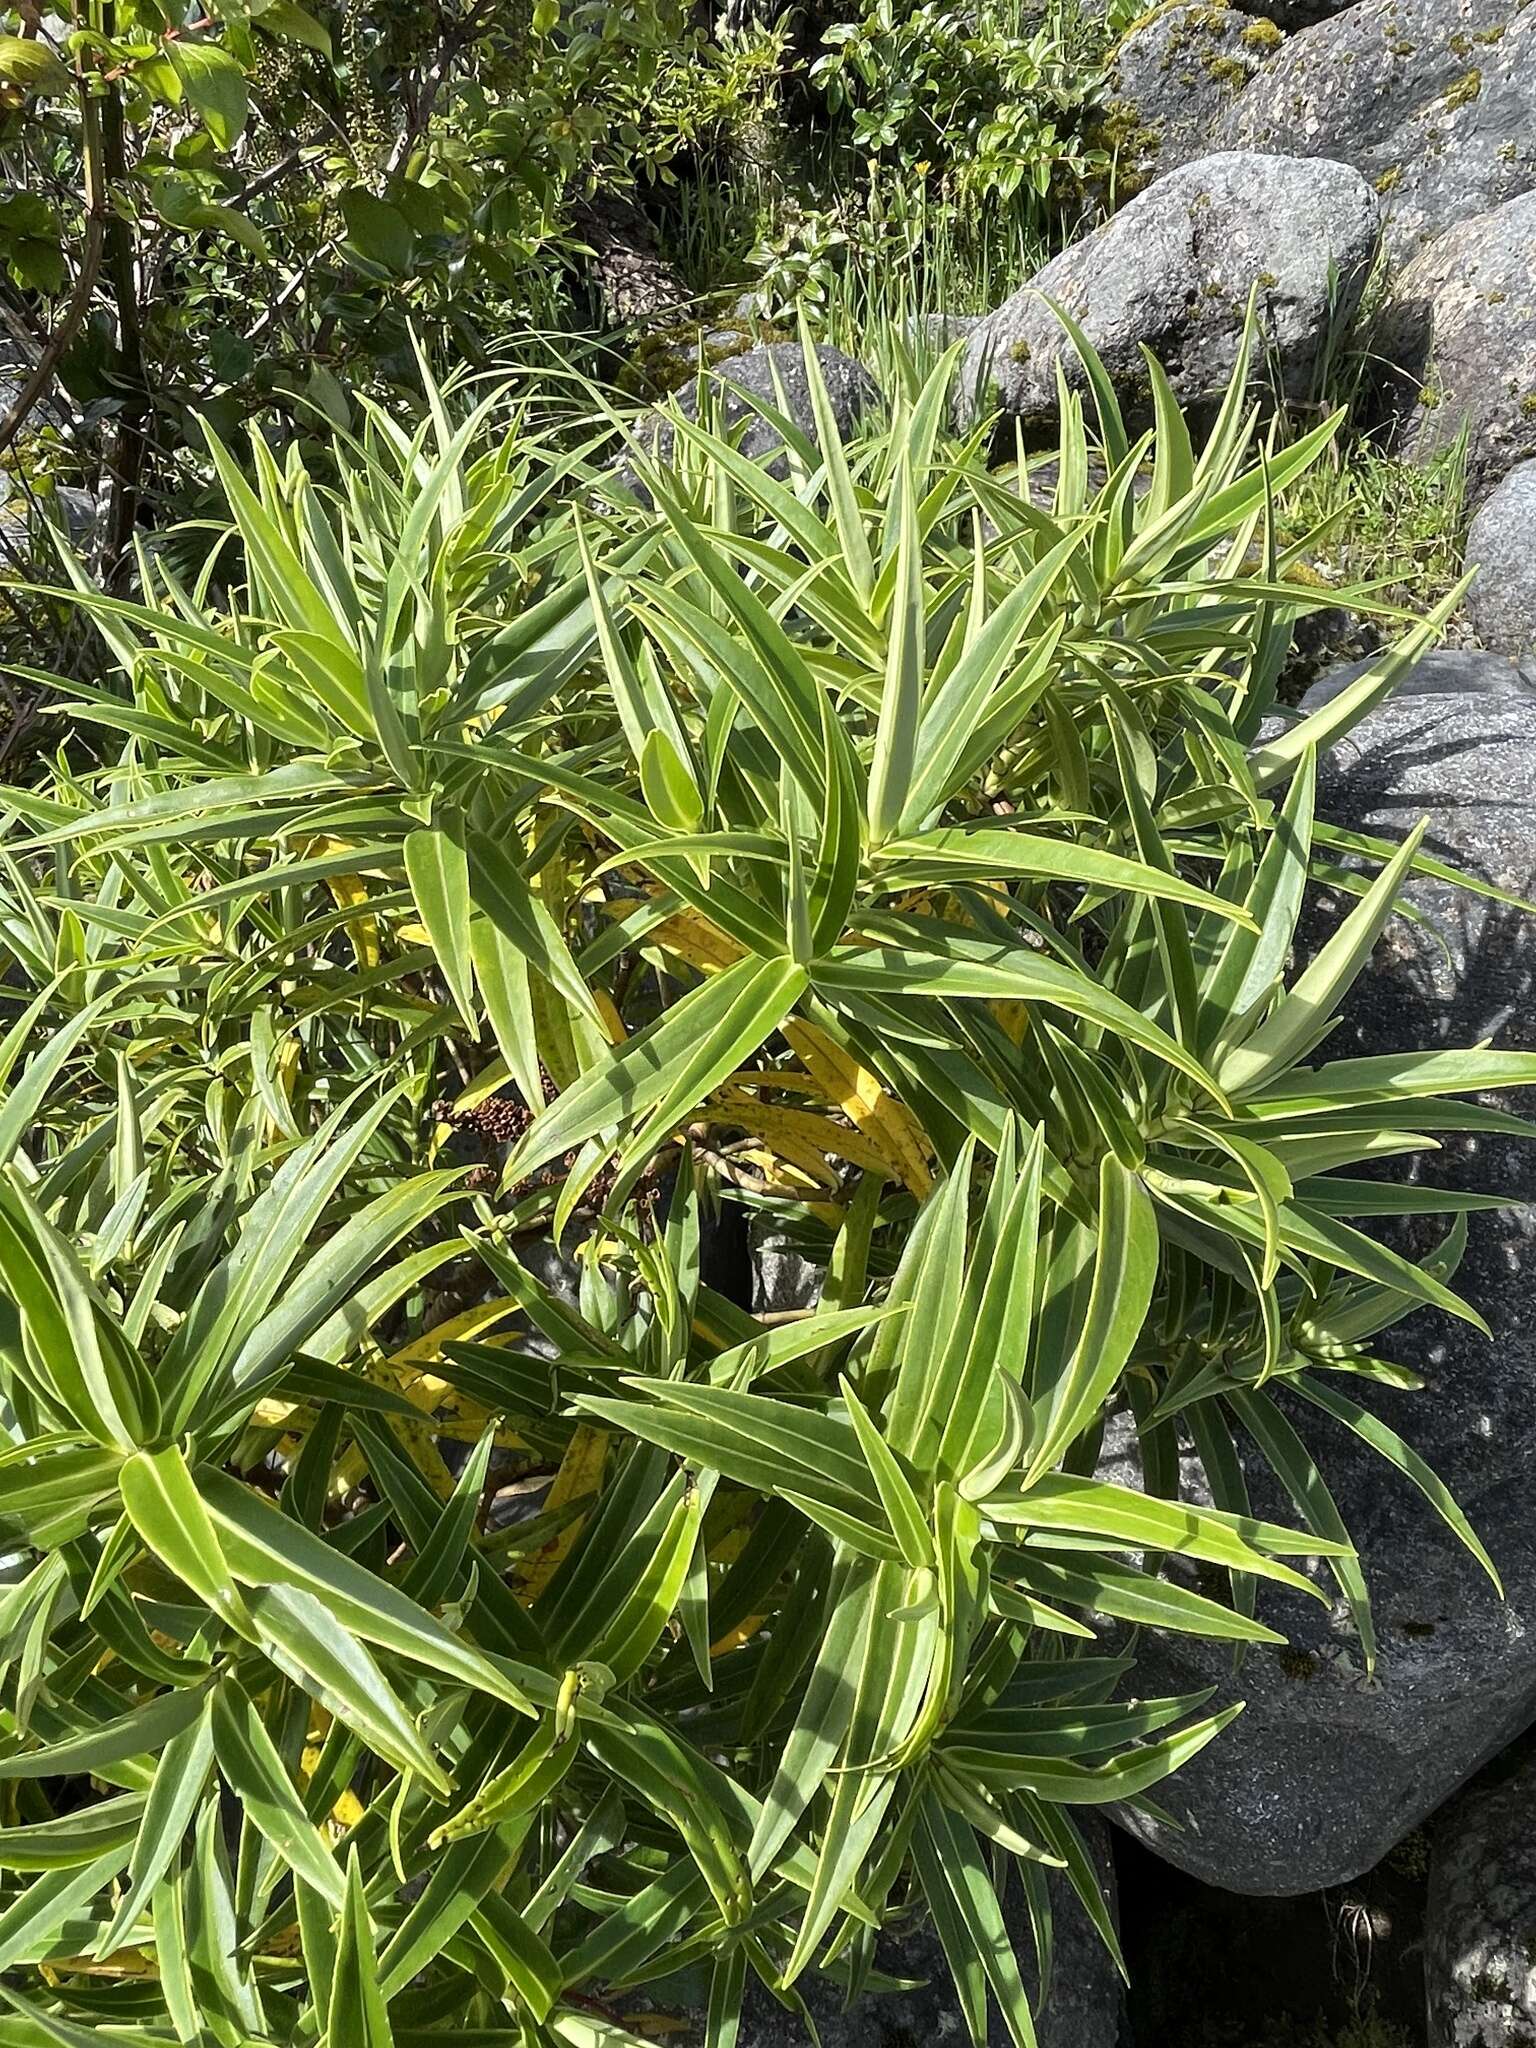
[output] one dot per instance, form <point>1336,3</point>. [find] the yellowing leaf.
<point>581,1473</point>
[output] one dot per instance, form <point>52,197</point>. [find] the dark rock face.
<point>1501,545</point>
<point>1173,270</point>
<point>1174,76</point>
<point>1327,1771</point>
<point>1293,14</point>
<point>1460,329</point>
<point>1480,1932</point>
<point>773,375</point>
<point>1447,672</point>
<point>1433,101</point>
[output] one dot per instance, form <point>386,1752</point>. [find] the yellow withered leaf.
<point>581,1473</point>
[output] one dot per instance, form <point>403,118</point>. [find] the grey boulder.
<point>1433,101</point>
<point>1446,672</point>
<point>1460,333</point>
<point>29,521</point>
<point>744,390</point>
<point>1327,1770</point>
<point>1172,78</point>
<point>1501,546</point>
<point>1480,1925</point>
<point>1173,271</point>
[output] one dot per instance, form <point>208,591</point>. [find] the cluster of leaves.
<point>964,96</point>
<point>206,205</point>
<point>240,211</point>
<point>409,1633</point>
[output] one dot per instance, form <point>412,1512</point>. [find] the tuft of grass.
<point>1387,521</point>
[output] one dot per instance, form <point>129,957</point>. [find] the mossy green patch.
<point>1262,34</point>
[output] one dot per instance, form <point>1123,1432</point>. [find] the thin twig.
<point>58,343</point>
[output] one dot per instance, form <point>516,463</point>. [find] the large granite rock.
<point>1433,101</point>
<point>1326,1771</point>
<point>1446,672</point>
<point>771,376</point>
<point>1460,333</point>
<point>1501,546</point>
<point>1172,271</point>
<point>1173,77</point>
<point>1480,1928</point>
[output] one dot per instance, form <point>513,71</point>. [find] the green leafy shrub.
<point>250,213</point>
<point>876,847</point>
<point>964,96</point>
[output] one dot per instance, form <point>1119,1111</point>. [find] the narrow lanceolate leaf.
<point>895,756</point>
<point>1066,1783</point>
<point>1278,757</point>
<point>768,1444</point>
<point>265,1548</point>
<point>622,1618</point>
<point>460,1879</point>
<point>1127,1594</point>
<point>501,973</point>
<point>968,853</point>
<point>254,1772</point>
<point>669,1068</point>
<point>1249,963</point>
<point>889,1685</point>
<point>1298,1472</point>
<point>142,1731</point>
<point>75,1839</point>
<point>903,1509</point>
<point>499,888</point>
<point>824,1714</point>
<point>973,1422</point>
<point>852,540</point>
<point>85,1375</point>
<point>969,970</point>
<point>437,869</point>
<point>304,1639</point>
<point>1388,1444</point>
<point>31,1922</point>
<point>1122,1519</point>
<point>1124,1274</point>
<point>1304,1013</point>
<point>1399,1077</point>
<point>359,2015</point>
<point>161,1499</point>
<point>958,1887</point>
<point>180,1780</point>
